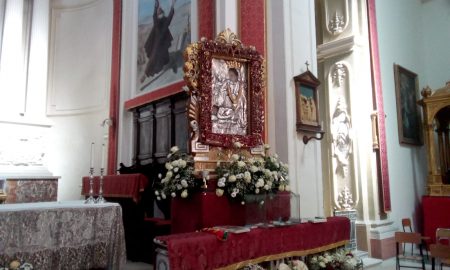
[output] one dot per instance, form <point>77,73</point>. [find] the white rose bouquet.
<point>179,179</point>
<point>247,176</point>
<point>341,259</point>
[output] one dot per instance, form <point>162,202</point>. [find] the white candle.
<point>103,156</point>
<point>92,155</point>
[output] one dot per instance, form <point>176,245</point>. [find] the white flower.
<point>158,198</point>
<point>283,266</point>
<point>174,149</point>
<point>164,180</point>
<point>247,177</point>
<point>287,188</point>
<point>173,194</point>
<point>176,169</point>
<point>184,194</point>
<point>182,163</point>
<point>178,176</point>
<point>275,156</point>
<point>314,259</point>
<point>169,155</point>
<point>322,265</point>
<point>233,194</point>
<point>219,192</point>
<point>281,188</point>
<point>179,186</point>
<point>267,172</point>
<point>237,144</point>
<point>218,163</point>
<point>257,191</point>
<point>261,202</point>
<point>156,192</point>
<point>241,164</point>
<point>169,174</point>
<point>239,176</point>
<point>220,184</point>
<point>277,164</point>
<point>253,168</point>
<point>169,166</point>
<point>242,202</point>
<point>232,178</point>
<point>235,157</point>
<point>266,187</point>
<point>163,195</point>
<point>175,163</point>
<point>184,183</point>
<point>159,175</point>
<point>266,146</point>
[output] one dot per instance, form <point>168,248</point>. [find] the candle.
<point>92,155</point>
<point>103,156</point>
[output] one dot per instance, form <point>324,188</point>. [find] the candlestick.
<point>103,156</point>
<point>92,155</point>
<point>100,198</point>
<point>90,199</point>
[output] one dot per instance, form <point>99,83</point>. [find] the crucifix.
<point>307,65</point>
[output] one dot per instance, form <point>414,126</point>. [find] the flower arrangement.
<point>340,260</point>
<point>256,175</point>
<point>179,179</point>
<point>293,265</point>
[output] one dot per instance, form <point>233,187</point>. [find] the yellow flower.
<point>232,178</point>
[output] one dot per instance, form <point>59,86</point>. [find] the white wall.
<point>78,88</point>
<point>291,42</point>
<point>414,35</point>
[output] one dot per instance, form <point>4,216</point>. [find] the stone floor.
<point>137,266</point>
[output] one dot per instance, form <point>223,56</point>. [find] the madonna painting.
<point>229,97</point>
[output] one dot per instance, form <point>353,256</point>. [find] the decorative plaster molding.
<point>335,48</point>
<point>336,24</point>
<point>339,74</point>
<point>345,199</point>
<point>341,134</point>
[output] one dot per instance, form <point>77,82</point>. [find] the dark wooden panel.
<point>180,127</point>
<point>145,134</point>
<point>163,132</point>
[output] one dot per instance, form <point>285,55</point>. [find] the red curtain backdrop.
<point>436,214</point>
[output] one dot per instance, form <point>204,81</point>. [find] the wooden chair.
<point>408,238</point>
<point>443,236</point>
<point>407,227</point>
<point>442,252</point>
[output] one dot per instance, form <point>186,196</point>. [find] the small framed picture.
<point>408,118</point>
<point>307,102</point>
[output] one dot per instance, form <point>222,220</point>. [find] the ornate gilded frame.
<point>198,76</point>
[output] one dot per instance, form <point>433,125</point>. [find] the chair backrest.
<point>440,251</point>
<point>442,233</point>
<point>406,222</point>
<point>408,237</point>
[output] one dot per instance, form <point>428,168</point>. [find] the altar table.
<point>201,250</point>
<point>118,186</point>
<point>63,235</point>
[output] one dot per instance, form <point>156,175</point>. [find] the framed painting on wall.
<point>307,103</point>
<point>164,31</point>
<point>408,118</point>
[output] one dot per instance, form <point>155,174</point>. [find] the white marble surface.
<point>51,205</point>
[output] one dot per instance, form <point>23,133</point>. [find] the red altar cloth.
<point>436,214</point>
<point>201,250</point>
<point>206,209</point>
<point>118,186</point>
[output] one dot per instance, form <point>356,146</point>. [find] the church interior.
<point>224,134</point>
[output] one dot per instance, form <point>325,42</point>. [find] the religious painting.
<point>408,118</point>
<point>164,31</point>
<point>307,105</point>
<point>229,97</point>
<point>226,85</point>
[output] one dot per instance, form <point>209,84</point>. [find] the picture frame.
<point>226,83</point>
<point>307,103</point>
<point>408,118</point>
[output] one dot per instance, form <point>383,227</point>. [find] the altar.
<point>201,250</point>
<point>62,235</point>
